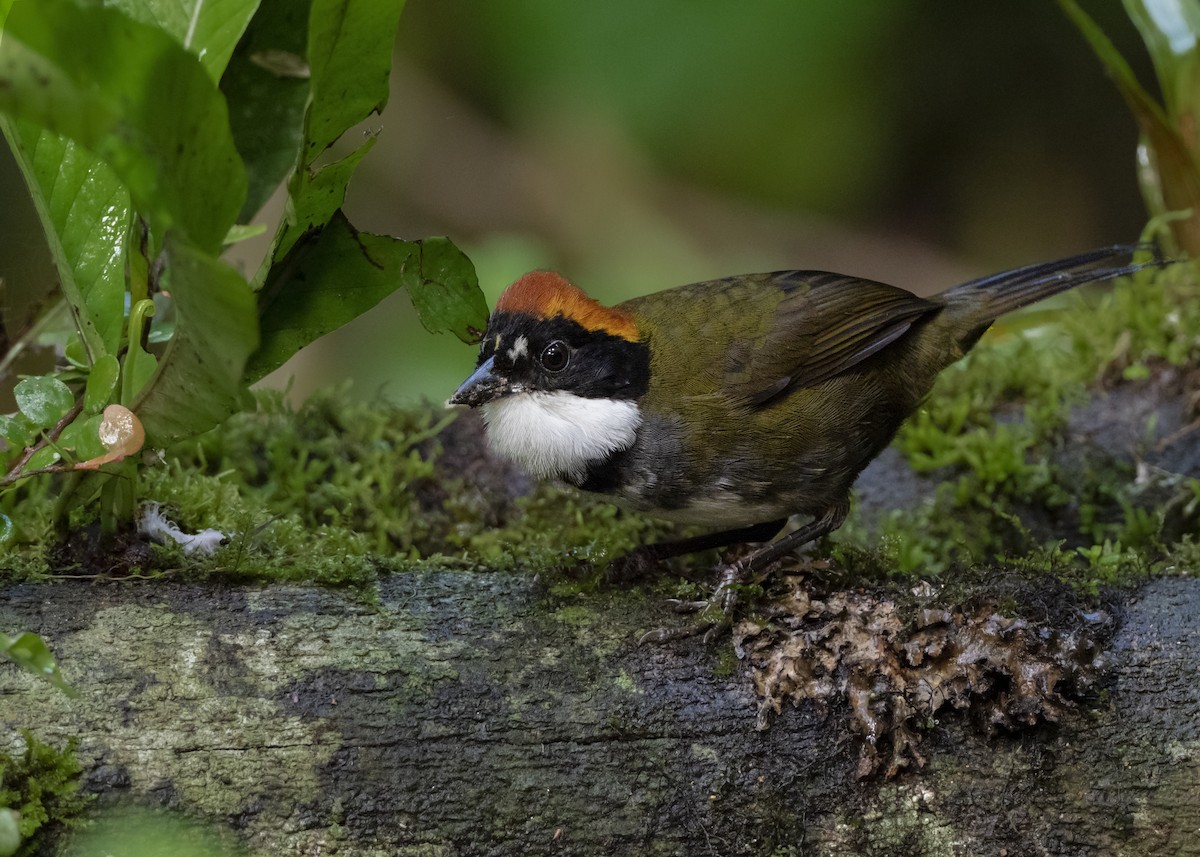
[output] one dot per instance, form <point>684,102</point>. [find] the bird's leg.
<point>826,523</point>
<point>639,561</point>
<point>725,594</point>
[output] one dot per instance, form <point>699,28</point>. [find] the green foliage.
<point>349,55</point>
<point>321,272</point>
<point>266,85</point>
<point>43,401</point>
<point>134,96</point>
<point>215,334</point>
<point>148,132</point>
<point>1168,151</point>
<point>331,277</point>
<point>42,786</point>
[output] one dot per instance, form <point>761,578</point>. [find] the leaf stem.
<point>141,311</point>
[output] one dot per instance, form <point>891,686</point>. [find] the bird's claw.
<point>659,636</point>
<point>688,607</point>
<point>708,631</point>
<point>716,631</point>
<point>718,610</point>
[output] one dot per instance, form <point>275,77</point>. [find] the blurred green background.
<point>637,145</point>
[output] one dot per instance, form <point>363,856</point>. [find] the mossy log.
<point>468,713</point>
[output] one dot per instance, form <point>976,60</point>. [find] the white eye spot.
<point>520,347</point>
<point>497,348</point>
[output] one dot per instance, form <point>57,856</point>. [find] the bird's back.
<point>786,388</point>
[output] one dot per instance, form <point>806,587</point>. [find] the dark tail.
<point>973,306</point>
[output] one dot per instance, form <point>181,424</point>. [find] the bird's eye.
<point>556,356</point>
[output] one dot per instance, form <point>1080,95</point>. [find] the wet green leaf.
<point>209,29</point>
<point>316,196</point>
<point>84,210</point>
<point>267,95</point>
<point>132,95</point>
<point>16,431</point>
<point>334,275</point>
<point>101,383</point>
<point>349,53</point>
<point>198,382</point>
<point>30,653</point>
<point>43,400</point>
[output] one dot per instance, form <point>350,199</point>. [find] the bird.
<point>733,404</point>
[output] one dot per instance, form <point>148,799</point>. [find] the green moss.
<point>726,663</point>
<point>331,478</point>
<point>324,491</point>
<point>42,785</point>
<point>625,682</point>
<point>27,512</point>
<point>338,492</point>
<point>576,615</point>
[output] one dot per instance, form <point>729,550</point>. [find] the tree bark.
<point>473,714</point>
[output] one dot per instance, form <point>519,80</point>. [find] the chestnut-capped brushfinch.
<point>736,403</point>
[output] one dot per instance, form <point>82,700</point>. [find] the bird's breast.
<point>558,434</point>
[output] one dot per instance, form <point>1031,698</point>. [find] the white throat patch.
<point>559,433</point>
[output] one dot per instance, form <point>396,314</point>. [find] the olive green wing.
<point>823,325</point>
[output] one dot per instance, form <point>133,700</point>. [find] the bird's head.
<point>558,377</point>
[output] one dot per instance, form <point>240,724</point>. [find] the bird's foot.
<point>714,615</point>
<point>708,630</point>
